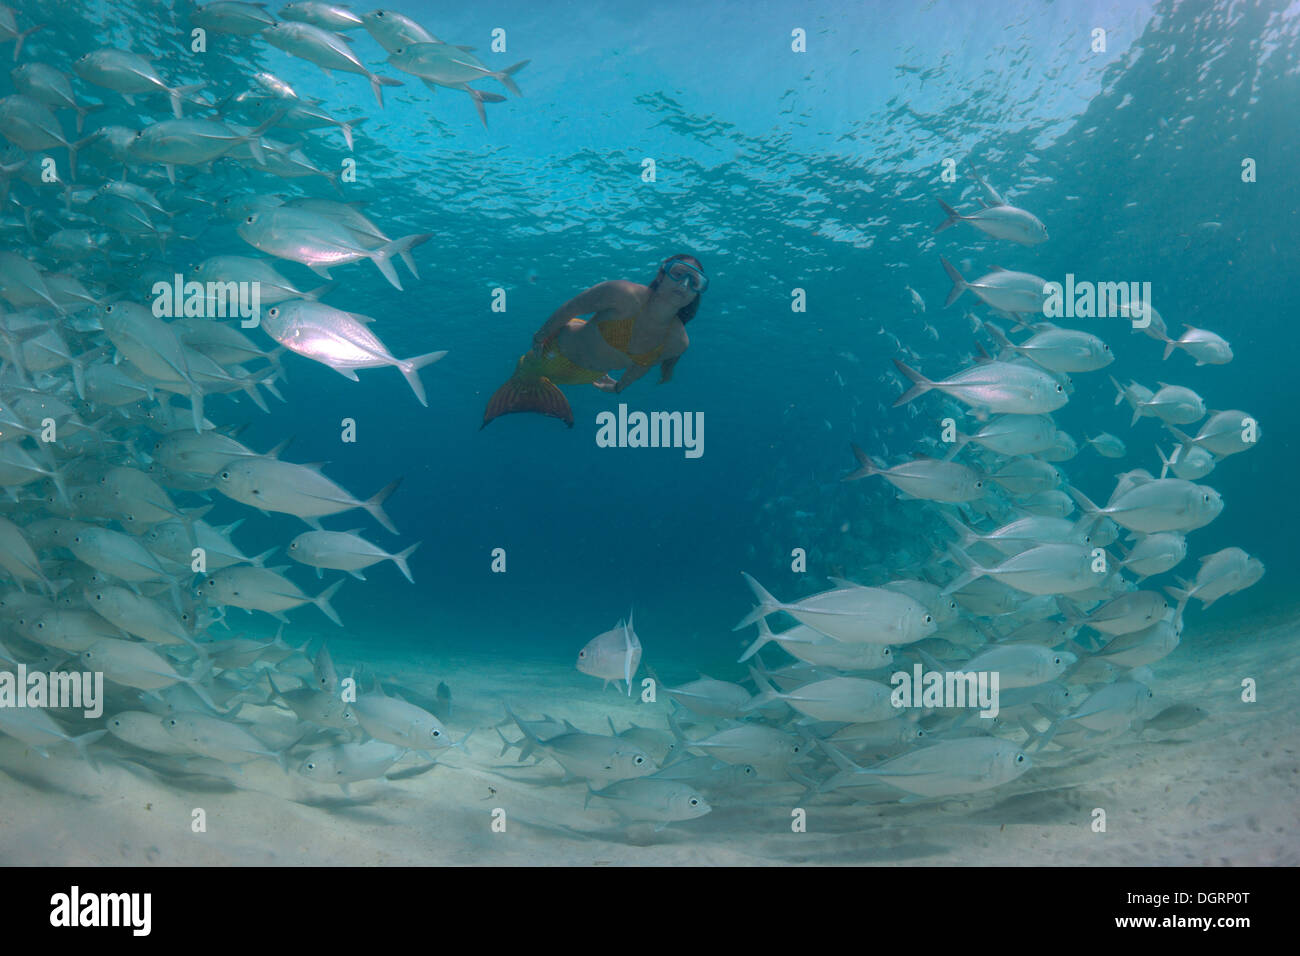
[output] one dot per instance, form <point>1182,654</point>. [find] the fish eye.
<point>108,308</point>
<point>225,476</point>
<point>928,619</point>
<point>293,546</point>
<point>1207,499</point>
<point>311,766</point>
<point>435,732</point>
<point>212,582</point>
<point>638,760</point>
<point>1056,660</point>
<point>250,219</point>
<point>88,655</point>
<point>887,652</point>
<point>695,802</point>
<point>1059,387</point>
<point>979,483</point>
<point>581,654</point>
<point>798,749</point>
<point>1020,758</point>
<point>273,311</point>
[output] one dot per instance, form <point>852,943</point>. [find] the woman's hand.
<point>542,340</point>
<point>606,384</point>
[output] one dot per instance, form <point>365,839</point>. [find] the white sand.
<point>1224,792</point>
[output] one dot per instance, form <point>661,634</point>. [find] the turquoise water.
<point>779,170</point>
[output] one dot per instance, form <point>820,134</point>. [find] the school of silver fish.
<point>110,462</point>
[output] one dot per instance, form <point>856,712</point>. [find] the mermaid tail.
<point>533,388</point>
<point>519,395</point>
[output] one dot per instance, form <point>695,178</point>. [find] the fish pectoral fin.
<point>348,373</point>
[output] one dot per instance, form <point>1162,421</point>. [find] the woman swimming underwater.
<point>632,327</point>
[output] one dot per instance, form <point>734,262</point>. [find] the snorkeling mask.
<point>686,274</point>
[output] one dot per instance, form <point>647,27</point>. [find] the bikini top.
<point>618,334</point>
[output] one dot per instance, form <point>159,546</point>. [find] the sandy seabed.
<point>1224,792</point>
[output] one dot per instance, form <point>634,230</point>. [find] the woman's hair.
<point>686,313</point>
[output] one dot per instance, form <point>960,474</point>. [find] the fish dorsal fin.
<point>997,269</point>
<point>570,729</point>
<point>279,449</point>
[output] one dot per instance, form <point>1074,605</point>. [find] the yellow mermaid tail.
<point>533,387</point>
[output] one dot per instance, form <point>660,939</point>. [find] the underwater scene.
<point>648,434</point>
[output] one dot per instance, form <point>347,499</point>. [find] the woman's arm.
<point>676,349</point>
<point>605,295</point>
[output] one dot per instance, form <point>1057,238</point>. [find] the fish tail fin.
<point>765,636</point>
<point>999,337</point>
<point>376,505</point>
<point>399,559</point>
<point>1038,741</point>
<point>260,560</point>
<point>1165,462</point>
<point>322,601</point>
<point>1070,611</point>
<point>410,369</point>
<point>954,217</point>
<point>1188,443</point>
<point>766,692</point>
<point>970,570</point>
<point>866,467</point>
<point>83,742</point>
<point>968,537</point>
<point>523,394</point>
<point>767,604</point>
<point>505,76</point>
<point>505,744</point>
<point>679,736</point>
<point>1170,345</point>
<point>72,153</point>
<point>1119,389</point>
<point>1182,596</point>
<point>382,256</point>
<point>958,283</point>
<point>532,737</point>
<point>920,384</point>
<point>377,84</point>
<point>1082,501</point>
<point>23,35</point>
<point>838,757</point>
<point>178,95</point>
